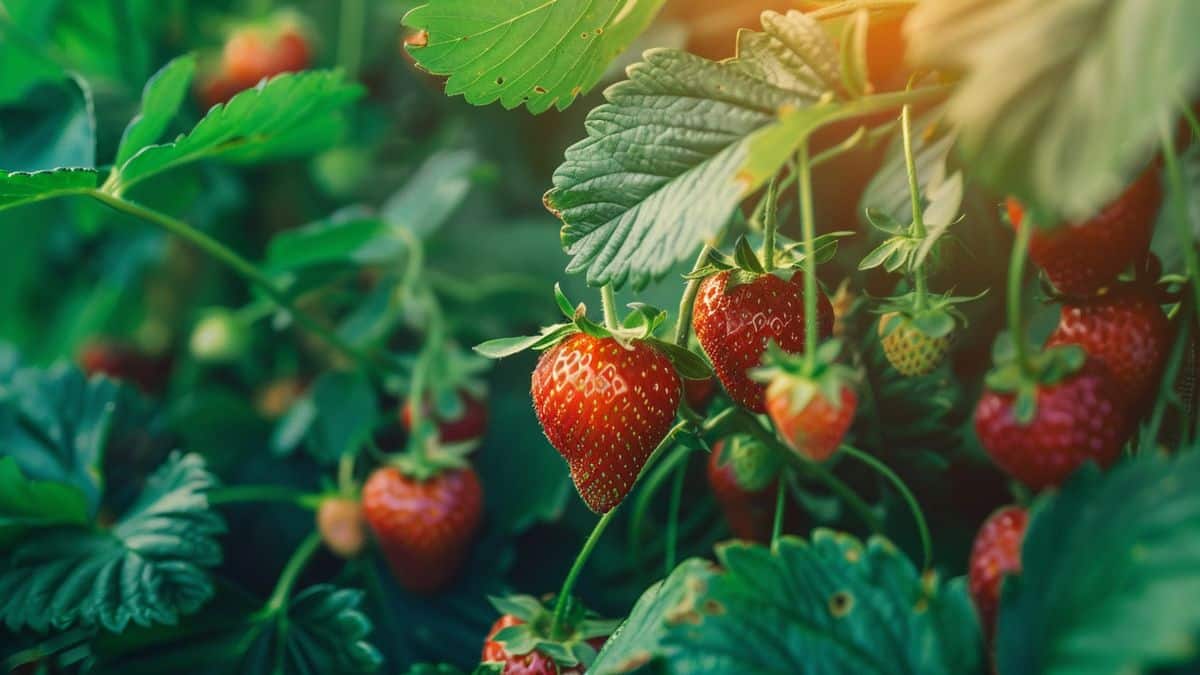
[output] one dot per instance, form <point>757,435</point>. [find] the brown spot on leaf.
<point>538,89</point>
<point>634,662</point>
<point>841,603</point>
<point>417,40</point>
<point>713,608</point>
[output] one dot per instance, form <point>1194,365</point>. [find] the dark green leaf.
<point>334,241</point>
<point>288,115</point>
<point>688,363</point>
<point>1029,125</point>
<point>25,188</point>
<point>1111,568</point>
<point>346,412</point>
<point>829,606</point>
<point>161,99</point>
<point>148,569</point>
<point>431,196</point>
<point>53,127</point>
<point>27,504</point>
<point>681,143</point>
<point>525,52</point>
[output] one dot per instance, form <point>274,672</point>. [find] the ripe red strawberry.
<point>1082,257</point>
<point>750,513</point>
<point>530,663</point>
<point>604,407</point>
<point>218,88</point>
<point>1079,418</point>
<point>699,393</point>
<point>996,553</point>
<point>734,323</point>
<point>339,520</point>
<point>470,424</point>
<point>121,361</point>
<point>424,528</point>
<point>810,423</point>
<point>251,54</point>
<point>1126,332</point>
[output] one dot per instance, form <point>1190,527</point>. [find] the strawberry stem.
<point>1166,387</point>
<point>1016,278</point>
<point>780,503</point>
<point>905,494</point>
<point>920,282</point>
<point>246,269</point>
<point>804,171</point>
<point>1179,205</point>
<point>351,23</point>
<point>562,602</point>
<point>345,474</point>
<point>771,224</point>
<point>680,473</point>
<point>239,494</point>
<point>291,572</point>
<point>608,301</point>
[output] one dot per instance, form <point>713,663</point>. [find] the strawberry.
<point>605,407</point>
<point>911,351</point>
<point>749,508</point>
<point>735,321</point>
<point>469,425</point>
<point>121,361</point>
<point>424,527</point>
<point>699,393</point>
<point>252,54</point>
<point>532,662</point>
<point>1082,257</point>
<point>1062,422</point>
<point>1125,331</point>
<point>995,554</point>
<point>217,88</point>
<point>339,520</point>
<point>813,424</point>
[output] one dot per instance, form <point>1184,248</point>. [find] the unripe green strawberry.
<point>910,351</point>
<point>755,465</point>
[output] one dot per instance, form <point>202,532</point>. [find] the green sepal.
<point>643,317</point>
<point>938,317</point>
<point>884,222</point>
<point>427,457</point>
<point>569,650</point>
<point>502,347</point>
<point>825,247</point>
<point>1046,368</point>
<point>755,465</point>
<point>746,257</point>
<point>804,380</point>
<point>687,363</point>
<point>564,305</point>
<point>525,607</point>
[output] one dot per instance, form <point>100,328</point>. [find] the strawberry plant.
<point>867,344</point>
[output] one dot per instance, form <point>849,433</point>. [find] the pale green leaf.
<point>163,95</point>
<point>19,188</point>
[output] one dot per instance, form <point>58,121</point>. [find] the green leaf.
<point>339,240</point>
<point>22,65</point>
<point>1030,126</point>
<point>27,504</point>
<point>670,156</point>
<point>537,53</point>
<point>434,193</point>
<point>163,95</point>
<point>829,606</point>
<point>346,412</point>
<point>148,569</point>
<point>54,126</point>
<point>1111,568</point>
<point>689,365</point>
<point>639,640</point>
<point>19,188</point>
<point>502,347</point>
<point>288,115</point>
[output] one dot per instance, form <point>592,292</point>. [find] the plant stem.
<point>673,516</point>
<point>609,301</point>
<point>918,224</point>
<point>1016,279</point>
<point>808,226</point>
<point>350,36</point>
<point>905,493</point>
<point>652,481</point>
<point>345,474</point>
<point>771,224</point>
<point>1166,387</point>
<point>780,504</point>
<point>239,264</point>
<point>236,494</point>
<point>1179,205</point>
<point>291,572</point>
<point>561,602</point>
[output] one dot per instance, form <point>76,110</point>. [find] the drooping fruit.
<point>735,321</point>
<point>749,507</point>
<point>469,425</point>
<point>424,527</point>
<point>340,522</point>
<point>995,554</point>
<point>911,351</point>
<point>811,423</point>
<point>605,407</point>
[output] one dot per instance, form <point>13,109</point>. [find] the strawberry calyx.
<point>935,316</point>
<point>805,378</point>
<point>639,325</point>
<point>746,265</point>
<point>571,647</point>
<point>427,457</point>
<point>755,464</point>
<point>451,373</point>
<point>1044,368</point>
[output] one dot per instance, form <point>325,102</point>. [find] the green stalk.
<point>804,171</point>
<point>238,494</point>
<point>345,474</point>
<point>238,264</point>
<point>673,515</point>
<point>561,603</point>
<point>920,282</point>
<point>1178,205</point>
<point>351,24</point>
<point>1166,385</point>
<point>771,224</point>
<point>608,300</point>
<point>905,493</point>
<point>291,572</point>
<point>1016,278</point>
<point>780,505</point>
